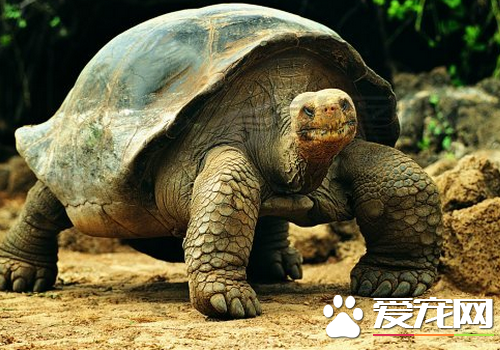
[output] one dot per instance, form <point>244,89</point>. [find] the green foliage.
<point>15,17</point>
<point>29,29</point>
<point>55,22</point>
<point>453,4</point>
<point>5,39</point>
<point>439,20</point>
<point>13,12</point>
<point>401,10</point>
<point>438,131</point>
<point>455,78</point>
<point>472,38</point>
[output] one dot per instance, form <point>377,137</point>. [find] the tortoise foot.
<point>220,297</point>
<point>20,276</point>
<point>276,265</point>
<point>378,281</point>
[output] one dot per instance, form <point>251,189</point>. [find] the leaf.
<point>63,32</point>
<point>471,35</point>
<point>22,23</point>
<point>401,10</point>
<point>452,70</point>
<point>432,43</point>
<point>424,144</point>
<point>455,78</point>
<point>450,26</point>
<point>434,99</point>
<point>5,40</point>
<point>379,2</point>
<point>432,125</point>
<point>446,143</point>
<point>453,4</point>
<point>11,12</point>
<point>55,22</point>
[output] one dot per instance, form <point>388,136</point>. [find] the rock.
<point>470,194</point>
<point>21,178</point>
<point>406,83</point>
<point>490,85</point>
<point>315,243</point>
<point>444,119</point>
<point>16,177</point>
<point>473,180</point>
<point>73,240</point>
<point>439,167</point>
<point>341,240</point>
<point>478,125</point>
<point>412,112</point>
<point>492,154</point>
<point>471,256</point>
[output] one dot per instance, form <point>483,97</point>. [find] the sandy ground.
<point>130,301</point>
<point>126,300</point>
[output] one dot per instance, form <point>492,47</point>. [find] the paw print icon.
<point>342,324</point>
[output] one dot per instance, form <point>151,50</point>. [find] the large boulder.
<point>471,181</point>
<point>470,194</point>
<point>471,258</point>
<point>438,118</point>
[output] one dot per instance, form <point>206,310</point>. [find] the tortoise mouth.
<point>343,130</point>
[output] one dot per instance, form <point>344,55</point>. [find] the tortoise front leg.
<point>398,210</point>
<point>224,211</point>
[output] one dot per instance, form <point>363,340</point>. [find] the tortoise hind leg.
<point>398,210</point>
<point>28,253</point>
<point>272,258</point>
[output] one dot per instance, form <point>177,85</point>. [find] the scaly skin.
<point>272,258</point>
<point>28,254</point>
<point>399,213</point>
<point>220,209</point>
<point>224,211</point>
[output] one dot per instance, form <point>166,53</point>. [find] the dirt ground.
<point>126,300</point>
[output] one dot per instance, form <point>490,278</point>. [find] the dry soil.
<point>126,300</point>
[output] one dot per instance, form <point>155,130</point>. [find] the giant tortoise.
<point>200,134</point>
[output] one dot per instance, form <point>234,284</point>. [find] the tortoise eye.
<point>345,105</point>
<point>308,111</point>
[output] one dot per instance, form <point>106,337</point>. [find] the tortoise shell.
<point>143,87</point>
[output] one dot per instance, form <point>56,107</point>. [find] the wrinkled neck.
<point>287,171</point>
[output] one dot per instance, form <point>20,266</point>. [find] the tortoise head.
<point>324,122</point>
<point>321,124</point>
